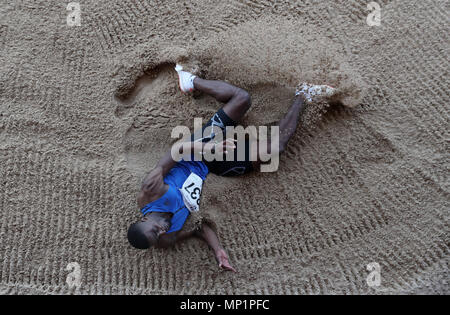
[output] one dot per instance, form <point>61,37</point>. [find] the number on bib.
<point>192,192</point>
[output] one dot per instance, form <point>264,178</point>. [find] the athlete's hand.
<point>222,259</point>
<point>226,146</point>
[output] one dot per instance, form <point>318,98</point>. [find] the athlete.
<point>172,190</point>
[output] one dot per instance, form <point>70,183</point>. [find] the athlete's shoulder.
<point>152,179</point>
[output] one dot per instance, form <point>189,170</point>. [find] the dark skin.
<point>237,102</point>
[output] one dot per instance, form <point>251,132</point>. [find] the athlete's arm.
<point>152,186</point>
<point>205,233</point>
<point>211,238</point>
<point>153,183</point>
<point>169,240</point>
<point>167,162</point>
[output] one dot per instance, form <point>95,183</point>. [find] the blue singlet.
<point>172,200</point>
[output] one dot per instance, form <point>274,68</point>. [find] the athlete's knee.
<point>244,98</point>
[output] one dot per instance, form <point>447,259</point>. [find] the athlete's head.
<point>146,233</point>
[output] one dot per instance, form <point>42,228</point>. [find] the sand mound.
<point>255,55</point>
<point>86,111</point>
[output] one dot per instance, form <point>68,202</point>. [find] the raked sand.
<point>86,111</point>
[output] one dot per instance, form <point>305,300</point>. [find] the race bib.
<point>192,191</point>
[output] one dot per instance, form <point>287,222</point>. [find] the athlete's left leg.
<point>237,101</point>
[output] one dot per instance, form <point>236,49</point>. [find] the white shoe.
<point>311,92</point>
<point>186,79</point>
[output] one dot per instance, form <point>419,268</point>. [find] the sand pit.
<point>86,111</point>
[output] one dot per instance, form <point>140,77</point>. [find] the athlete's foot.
<point>186,79</point>
<point>312,92</point>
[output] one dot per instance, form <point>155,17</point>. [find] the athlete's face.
<point>154,227</point>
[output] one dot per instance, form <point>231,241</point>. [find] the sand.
<point>86,111</point>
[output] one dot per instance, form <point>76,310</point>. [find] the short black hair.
<point>137,238</point>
